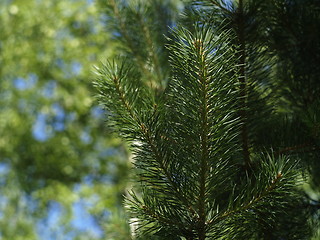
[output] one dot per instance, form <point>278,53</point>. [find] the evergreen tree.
<point>214,147</point>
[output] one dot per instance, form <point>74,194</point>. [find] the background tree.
<point>58,161</point>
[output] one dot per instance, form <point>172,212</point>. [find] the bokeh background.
<point>62,172</point>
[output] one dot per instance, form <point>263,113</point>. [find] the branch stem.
<point>243,86</point>
<point>204,141</point>
<point>302,147</point>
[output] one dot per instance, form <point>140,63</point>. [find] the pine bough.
<point>187,149</point>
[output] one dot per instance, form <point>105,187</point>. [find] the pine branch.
<point>252,202</point>
<point>160,160</point>
<point>199,87</point>
<point>123,27</point>
<point>123,99</point>
<point>155,216</point>
<point>217,4</point>
<point>151,50</point>
<point>274,185</point>
<point>119,76</point>
<point>214,3</point>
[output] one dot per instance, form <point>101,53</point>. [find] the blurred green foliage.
<point>54,145</point>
